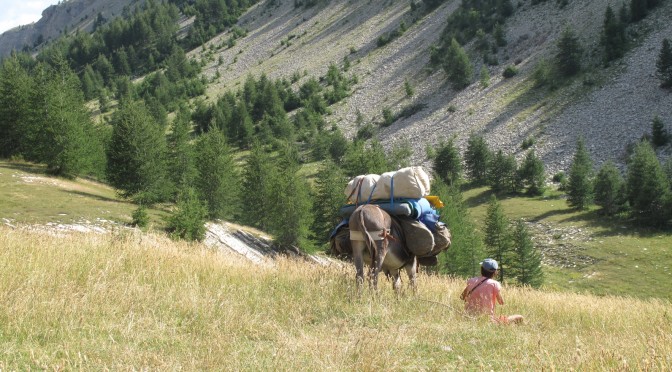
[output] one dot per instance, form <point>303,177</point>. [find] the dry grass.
<point>132,301</point>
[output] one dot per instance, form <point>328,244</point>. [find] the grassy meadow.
<point>29,196</point>
<point>611,255</point>
<point>132,300</point>
<point>127,300</point>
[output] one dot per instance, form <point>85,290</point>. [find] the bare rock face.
<point>66,17</point>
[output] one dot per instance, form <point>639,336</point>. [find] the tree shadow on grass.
<point>479,198</point>
<point>555,212</point>
<point>25,167</point>
<point>609,226</point>
<point>98,197</point>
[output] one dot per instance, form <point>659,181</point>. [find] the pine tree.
<point>648,187</point>
<point>447,163</point>
<point>187,221</point>
<point>329,183</point>
<point>290,214</point>
<point>217,181</point>
<point>181,155</point>
<point>136,155</point>
<point>664,65</point>
<point>241,129</point>
<point>16,90</point>
<point>638,9</point>
<point>360,159</point>
<point>476,159</point>
<point>466,249</point>
<point>568,57</point>
<point>579,186</point>
<point>258,175</point>
<point>659,136</point>
<point>457,66</point>
<point>484,77</point>
<point>526,265</point>
<point>65,139</point>
<point>532,175</point>
<point>609,189</point>
<point>90,85</point>
<point>613,37</point>
<point>497,239</point>
<point>503,173</point>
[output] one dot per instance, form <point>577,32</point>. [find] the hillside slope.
<point>613,108</point>
<point>615,111</point>
<point>67,15</point>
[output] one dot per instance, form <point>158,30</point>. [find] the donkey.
<point>374,231</point>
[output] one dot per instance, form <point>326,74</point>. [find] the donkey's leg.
<point>396,281</point>
<point>358,258</point>
<point>412,270</point>
<point>377,265</point>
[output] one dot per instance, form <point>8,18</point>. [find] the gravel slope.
<point>615,112</point>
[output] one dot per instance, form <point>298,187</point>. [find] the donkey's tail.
<point>370,242</point>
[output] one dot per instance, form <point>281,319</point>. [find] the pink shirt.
<point>482,299</point>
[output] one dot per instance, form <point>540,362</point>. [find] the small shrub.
<point>140,217</point>
<point>388,118</point>
<point>452,108</point>
<point>408,88</point>
<point>510,71</point>
<point>366,131</point>
<point>410,110</point>
<point>188,220</point>
<point>560,178</point>
<point>527,143</point>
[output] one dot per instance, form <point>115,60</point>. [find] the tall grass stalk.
<point>136,301</point>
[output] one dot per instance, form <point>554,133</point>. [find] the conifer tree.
<point>360,159</point>
<point>664,65</point>
<point>532,175</point>
<point>16,90</point>
<point>447,163</point>
<point>613,37</point>
<point>497,238</point>
<point>63,132</point>
<point>503,173</point>
<point>466,249</point>
<point>526,265</point>
<point>476,159</point>
<point>258,175</point>
<point>329,184</point>
<point>181,155</point>
<point>218,181</point>
<point>579,185</point>
<point>136,155</point>
<point>187,221</point>
<point>484,77</point>
<point>290,214</point>
<point>568,57</point>
<point>659,135</point>
<point>648,187</point>
<point>241,128</point>
<point>610,189</point>
<point>458,66</point>
<point>638,9</point>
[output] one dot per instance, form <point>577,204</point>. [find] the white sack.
<point>411,182</point>
<point>365,188</point>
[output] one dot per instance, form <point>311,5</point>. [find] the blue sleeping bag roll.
<point>396,209</point>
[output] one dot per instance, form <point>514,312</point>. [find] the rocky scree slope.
<point>615,110</point>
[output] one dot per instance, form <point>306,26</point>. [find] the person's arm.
<point>463,296</point>
<point>498,293</point>
<point>500,300</point>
